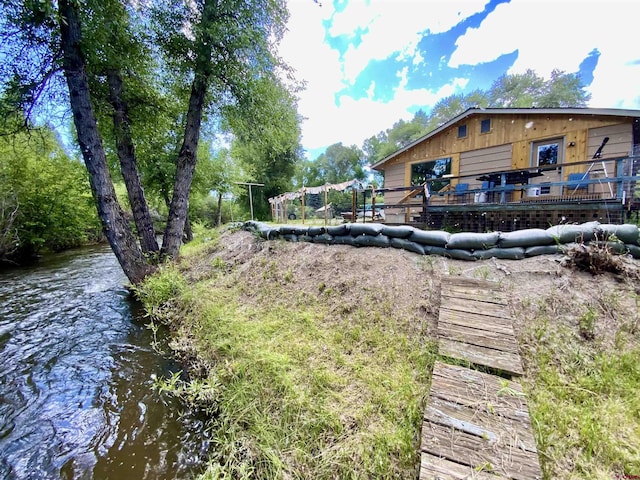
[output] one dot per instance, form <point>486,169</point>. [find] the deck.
<point>476,424</point>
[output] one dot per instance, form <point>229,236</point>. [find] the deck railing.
<point>619,183</point>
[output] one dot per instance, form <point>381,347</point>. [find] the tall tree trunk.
<point>188,231</point>
<point>219,216</point>
<point>187,157</point>
<point>128,167</point>
<point>114,223</point>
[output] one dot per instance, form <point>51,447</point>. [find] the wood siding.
<point>517,131</point>
<point>492,159</point>
<point>394,175</point>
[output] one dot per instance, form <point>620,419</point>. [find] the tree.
<point>530,90</point>
<point>220,45</point>
<point>45,199</point>
<point>266,138</point>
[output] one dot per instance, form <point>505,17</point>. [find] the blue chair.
<point>488,187</point>
<point>577,181</point>
<point>460,192</point>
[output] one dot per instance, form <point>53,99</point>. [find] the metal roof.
<point>615,112</point>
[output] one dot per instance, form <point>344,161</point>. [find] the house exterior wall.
<point>515,131</point>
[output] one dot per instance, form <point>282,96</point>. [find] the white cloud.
<point>560,34</point>
<point>394,26</point>
<point>547,34</point>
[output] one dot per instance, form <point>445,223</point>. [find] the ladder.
<point>598,155</point>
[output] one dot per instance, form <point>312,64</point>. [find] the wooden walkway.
<point>476,425</point>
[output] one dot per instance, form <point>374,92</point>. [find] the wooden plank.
<point>479,390</point>
<point>488,357</point>
<point>478,321</point>
<point>475,294</point>
<point>478,452</point>
<point>454,280</point>
<point>471,306</point>
<point>437,468</point>
<point>500,429</point>
<point>474,336</point>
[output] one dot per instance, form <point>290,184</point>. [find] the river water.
<point>76,374</point>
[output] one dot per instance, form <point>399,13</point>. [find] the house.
<point>560,160</point>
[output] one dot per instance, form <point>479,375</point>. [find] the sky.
<point>369,63</point>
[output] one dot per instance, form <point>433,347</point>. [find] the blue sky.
<point>368,63</point>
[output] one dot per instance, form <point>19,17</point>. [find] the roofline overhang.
<point>614,112</point>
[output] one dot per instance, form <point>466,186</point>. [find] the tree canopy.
<point>142,84</point>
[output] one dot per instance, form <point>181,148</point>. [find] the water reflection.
<point>75,379</point>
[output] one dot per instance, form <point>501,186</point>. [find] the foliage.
<point>47,193</point>
<point>136,65</point>
<point>584,361</point>
<point>266,141</point>
<point>297,390</point>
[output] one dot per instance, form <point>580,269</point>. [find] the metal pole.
<point>251,202</point>
<point>249,184</point>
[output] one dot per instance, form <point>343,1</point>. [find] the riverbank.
<point>313,361</point>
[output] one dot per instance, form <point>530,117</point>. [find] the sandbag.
<point>626,233</point>
<point>305,238</point>
<point>372,241</point>
<point>634,250</point>
<point>313,231</point>
<point>407,245</point>
<point>616,248</point>
<point>338,230</point>
<point>344,240</point>
<point>473,241</point>
<point>288,230</point>
<point>512,253</point>
<point>324,238</point>
<point>574,233</point>
<point>397,231</point>
<point>289,237</point>
<point>372,229</point>
<point>541,250</point>
<point>434,238</point>
<point>455,253</point>
<point>526,238</point>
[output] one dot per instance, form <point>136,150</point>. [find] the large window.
<point>421,172</point>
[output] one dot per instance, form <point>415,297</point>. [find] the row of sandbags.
<point>621,239</point>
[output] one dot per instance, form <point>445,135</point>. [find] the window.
<point>547,154</point>
<point>462,131</point>
<point>421,172</point>
<point>485,125</point>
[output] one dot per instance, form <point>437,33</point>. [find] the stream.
<point>76,375</point>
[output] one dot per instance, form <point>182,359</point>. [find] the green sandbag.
<point>434,238</point>
<point>397,231</point>
<point>526,238</point>
<point>313,231</point>
<point>574,233</point>
<point>626,233</point>
<point>473,241</point>
<point>541,250</point>
<point>407,245</point>
<point>455,253</point>
<point>344,240</point>
<point>372,241</point>
<point>338,230</point>
<point>371,229</point>
<point>324,238</point>
<point>634,250</point>
<point>513,253</point>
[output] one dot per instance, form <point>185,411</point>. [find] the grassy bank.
<point>304,376</point>
<point>580,341</point>
<point>313,361</point>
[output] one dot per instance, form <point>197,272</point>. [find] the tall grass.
<point>293,386</point>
